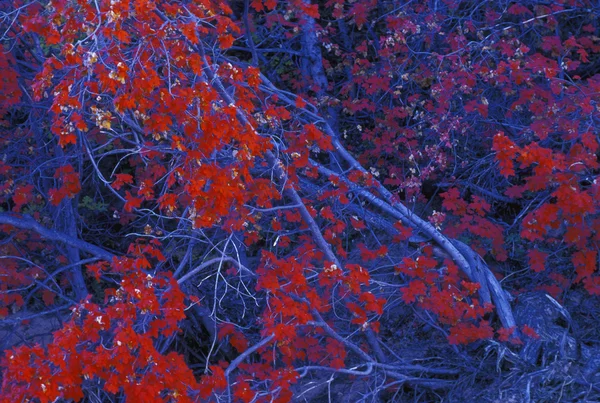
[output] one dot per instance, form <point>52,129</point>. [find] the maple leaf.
<point>189,31</point>
<point>518,9</point>
<point>121,35</point>
<point>453,202</point>
<point>415,289</point>
<point>470,287</point>
<point>168,201</point>
<point>464,333</point>
<point>56,196</point>
<point>357,224</point>
<point>506,151</point>
<point>242,389</point>
<point>225,330</point>
<point>132,202</point>
<point>239,341</point>
<point>120,180</point>
<point>373,303</point>
<point>404,233</point>
<point>48,297</point>
<point>504,334</point>
<point>585,263</point>
<point>65,139</point>
<point>300,103</point>
<point>257,5</point>
<point>312,10</point>
<point>529,332</point>
<point>226,41</point>
<point>537,260</point>
<point>367,254</point>
<point>327,213</point>
<point>21,196</point>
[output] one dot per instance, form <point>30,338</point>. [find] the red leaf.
<point>415,288</point>
<point>189,31</point>
<point>470,287</point>
<point>300,103</point>
<point>585,262</point>
<point>372,303</point>
<point>505,333</point>
<point>56,196</point>
<point>257,5</point>
<point>537,260</point>
<point>327,213</point>
<point>238,341</point>
<point>132,202</point>
<point>226,41</point>
<point>357,224</point>
<point>312,10</point>
<point>517,8</point>
<point>120,180</point>
<point>48,297</point>
<point>22,195</point>
<point>66,138</point>
<point>530,332</point>
<point>506,151</point>
<point>404,233</point>
<point>225,330</point>
<point>121,36</point>
<point>243,391</point>
<point>464,333</point>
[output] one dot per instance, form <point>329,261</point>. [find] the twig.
<point>211,262</point>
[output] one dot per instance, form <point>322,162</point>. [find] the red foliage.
<point>233,146</point>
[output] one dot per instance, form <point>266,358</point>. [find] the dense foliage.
<point>249,201</point>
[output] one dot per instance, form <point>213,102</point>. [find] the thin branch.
<point>211,262</point>
<point>304,370</point>
<point>240,358</point>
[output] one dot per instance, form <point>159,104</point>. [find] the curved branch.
<point>477,271</point>
<point>234,364</point>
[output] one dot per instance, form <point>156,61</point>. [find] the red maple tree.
<point>206,200</point>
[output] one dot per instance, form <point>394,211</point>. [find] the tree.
<point>233,200</point>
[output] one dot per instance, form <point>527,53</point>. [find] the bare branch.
<point>27,222</point>
<point>211,262</point>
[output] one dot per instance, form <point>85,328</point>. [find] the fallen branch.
<point>476,270</point>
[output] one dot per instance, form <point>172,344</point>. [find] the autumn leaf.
<point>226,41</point>
<point>327,213</point>
<point>270,4</point>
<point>131,202</point>
<point>252,135</point>
<point>537,260</point>
<point>529,332</point>
<point>48,297</point>
<point>415,289</point>
<point>120,180</point>
<point>357,224</point>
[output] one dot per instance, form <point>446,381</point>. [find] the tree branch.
<point>27,222</point>
<point>213,261</point>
